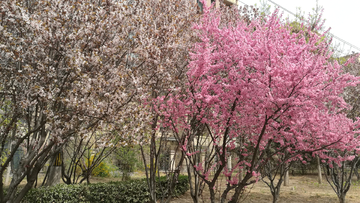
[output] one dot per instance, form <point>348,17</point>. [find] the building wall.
<point>227,2</point>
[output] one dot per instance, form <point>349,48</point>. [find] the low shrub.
<point>58,193</point>
<point>103,169</point>
<point>125,191</point>
<point>181,187</point>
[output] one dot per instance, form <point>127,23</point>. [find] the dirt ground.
<point>302,189</point>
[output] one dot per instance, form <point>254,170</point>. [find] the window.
<point>200,6</point>
<point>164,161</point>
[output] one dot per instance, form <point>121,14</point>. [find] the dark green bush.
<point>181,186</point>
<point>127,191</point>
<point>58,193</point>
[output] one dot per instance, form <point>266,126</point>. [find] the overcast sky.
<point>342,16</point>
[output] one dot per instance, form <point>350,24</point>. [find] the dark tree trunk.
<point>342,198</point>
<point>240,188</point>
<point>212,195</point>
<point>276,196</point>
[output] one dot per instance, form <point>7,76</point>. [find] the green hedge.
<point>127,191</point>
<point>181,186</point>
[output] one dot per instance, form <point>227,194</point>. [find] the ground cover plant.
<point>123,191</point>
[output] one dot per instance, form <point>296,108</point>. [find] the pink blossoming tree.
<point>257,90</point>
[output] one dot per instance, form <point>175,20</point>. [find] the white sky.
<point>342,16</point>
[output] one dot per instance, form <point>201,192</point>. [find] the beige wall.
<point>229,2</point>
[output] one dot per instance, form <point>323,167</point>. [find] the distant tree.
<point>339,175</point>
<point>351,95</point>
<point>273,173</point>
<point>84,153</point>
<point>126,160</point>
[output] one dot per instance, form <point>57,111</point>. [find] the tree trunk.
<point>194,184</point>
<point>7,178</point>
<point>276,197</point>
<point>356,172</point>
<point>54,176</point>
<point>212,195</point>
<point>239,189</point>
<point>152,170</point>
<point>9,169</point>
<point>241,174</point>
<point>342,198</point>
<point>286,178</point>
<point>319,170</point>
<point>275,190</point>
<point>31,178</point>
